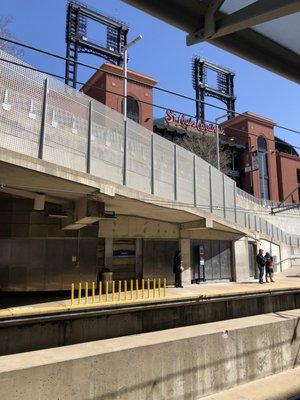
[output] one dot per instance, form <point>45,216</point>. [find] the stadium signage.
<point>188,123</point>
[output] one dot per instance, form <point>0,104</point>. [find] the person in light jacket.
<point>269,267</point>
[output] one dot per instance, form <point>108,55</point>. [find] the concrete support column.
<point>241,270</point>
<point>108,253</point>
<point>185,247</point>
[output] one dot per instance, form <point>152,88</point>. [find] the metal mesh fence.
<point>185,176</point>
<point>21,97</point>
<point>164,177</point>
<point>217,192</point>
<point>66,126</point>
<point>138,157</point>
<point>229,198</point>
<point>107,143</point>
<point>66,143</point>
<point>203,184</point>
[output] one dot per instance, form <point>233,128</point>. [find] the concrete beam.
<point>87,212</point>
<point>195,225</point>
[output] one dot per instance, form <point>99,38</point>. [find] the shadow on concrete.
<point>17,299</point>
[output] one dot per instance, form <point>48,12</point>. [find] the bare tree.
<point>204,146</point>
<point>5,32</point>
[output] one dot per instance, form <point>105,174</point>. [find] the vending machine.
<point>200,265</point>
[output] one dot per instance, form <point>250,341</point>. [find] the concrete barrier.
<point>182,363</point>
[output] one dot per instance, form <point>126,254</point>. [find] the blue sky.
<point>161,54</point>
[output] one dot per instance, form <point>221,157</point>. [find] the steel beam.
<point>254,14</point>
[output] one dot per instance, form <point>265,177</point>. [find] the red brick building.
<point>269,167</point>
<point>263,165</point>
<point>110,79</point>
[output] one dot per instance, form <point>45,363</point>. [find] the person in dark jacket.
<point>261,262</point>
<point>177,269</point>
<point>269,267</point>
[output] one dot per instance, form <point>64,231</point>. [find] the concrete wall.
<point>36,254</point>
<point>183,363</point>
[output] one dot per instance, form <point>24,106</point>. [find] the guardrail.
<point>118,291</point>
<point>44,118</point>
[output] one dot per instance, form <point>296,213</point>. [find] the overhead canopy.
<point>266,32</point>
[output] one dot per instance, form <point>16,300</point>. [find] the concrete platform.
<point>282,386</point>
<point>285,281</point>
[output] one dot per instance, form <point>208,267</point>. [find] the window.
<point>263,167</point>
<point>133,111</point>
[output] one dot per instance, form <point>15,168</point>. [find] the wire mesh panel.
<point>240,217</point>
<point>294,240</point>
<point>66,126</point>
<point>263,226</point>
<point>185,176</point>
<point>138,157</point>
<point>21,97</point>
<point>229,198</point>
<point>163,168</point>
<point>217,192</point>
<point>252,222</point>
<point>202,184</point>
<point>107,147</point>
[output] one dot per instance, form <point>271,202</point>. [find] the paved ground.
<point>13,305</point>
<point>282,386</point>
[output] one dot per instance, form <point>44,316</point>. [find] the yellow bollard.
<point>143,288</point>
<point>72,294</point>
<point>93,292</point>
<point>131,289</point>
<point>100,292</point>
<point>86,292</point>
<point>106,291</point>
<point>120,288</point>
<point>79,293</point>
<point>165,285</point>
<point>113,291</point>
<point>125,290</point>
<point>159,283</point>
<point>148,287</point>
<point>154,287</point>
<point>137,288</point>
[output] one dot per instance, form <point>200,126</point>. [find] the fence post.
<point>43,120</point>
<point>224,198</point>
<point>152,163</point>
<point>234,202</point>
<point>195,180</point>
<point>89,139</point>
<point>210,190</point>
<point>125,152</point>
<point>175,172</point>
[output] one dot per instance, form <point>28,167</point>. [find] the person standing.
<point>177,269</point>
<point>261,262</point>
<point>269,267</point>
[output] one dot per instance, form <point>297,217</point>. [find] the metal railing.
<point>44,118</point>
<point>118,291</point>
